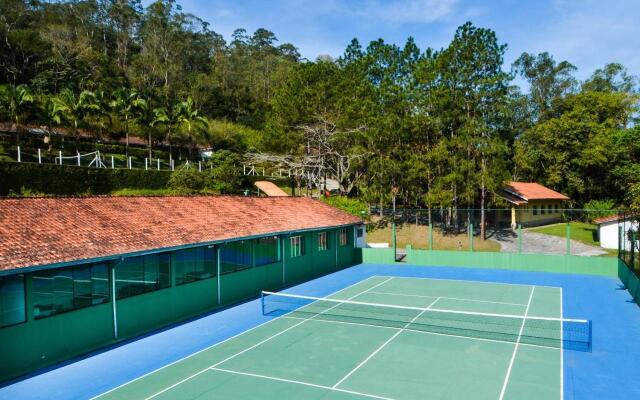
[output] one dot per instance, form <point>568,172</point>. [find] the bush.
<point>351,205</point>
<point>25,178</point>
<point>187,180</point>
<point>225,175</point>
<point>599,208</point>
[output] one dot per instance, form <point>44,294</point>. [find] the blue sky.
<point>588,33</point>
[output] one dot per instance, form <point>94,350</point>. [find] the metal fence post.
<point>471,237</point>
<point>430,236</point>
<point>393,240</point>
<point>568,238</point>
<point>520,238</point>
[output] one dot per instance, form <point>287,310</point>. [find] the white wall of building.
<point>608,234</point>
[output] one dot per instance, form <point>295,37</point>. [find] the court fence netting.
<point>573,334</point>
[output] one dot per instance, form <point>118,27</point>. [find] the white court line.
<point>219,343</point>
<point>373,396</point>
<point>468,280</point>
<point>424,332</point>
<point>259,343</point>
<point>450,298</point>
<point>344,378</point>
<point>515,348</point>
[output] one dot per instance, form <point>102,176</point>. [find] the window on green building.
<point>192,265</point>
<point>535,210</point>
<point>12,307</point>
<point>143,274</point>
<point>59,290</point>
<point>323,244</point>
<point>235,256</point>
<point>297,246</point>
<point>267,250</point>
<point>344,237</point>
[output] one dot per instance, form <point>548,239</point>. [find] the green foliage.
<point>225,176</point>
<point>187,180</point>
<point>351,205</point>
<point>599,208</point>
<point>69,180</point>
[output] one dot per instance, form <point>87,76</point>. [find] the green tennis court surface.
<point>391,338</point>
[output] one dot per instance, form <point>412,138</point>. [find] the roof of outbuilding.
<point>533,191</point>
<point>43,231</point>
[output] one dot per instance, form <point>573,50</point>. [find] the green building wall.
<point>38,343</point>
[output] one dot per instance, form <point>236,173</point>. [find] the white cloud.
<point>404,11</point>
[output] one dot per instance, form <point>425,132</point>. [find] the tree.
<point>76,109</point>
<point>17,103</point>
<point>548,81</point>
<point>128,106</point>
<point>187,114</point>
<point>52,115</point>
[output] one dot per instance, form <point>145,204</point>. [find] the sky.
<point>587,33</point>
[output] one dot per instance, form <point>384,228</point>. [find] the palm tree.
<point>148,119</point>
<point>51,114</point>
<point>102,116</point>
<point>187,114</point>
<point>76,109</point>
<point>17,102</point>
<point>162,116</point>
<point>128,105</point>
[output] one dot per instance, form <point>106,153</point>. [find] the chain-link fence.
<point>626,225</point>
<point>544,228</point>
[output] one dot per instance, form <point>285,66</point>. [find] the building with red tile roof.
<point>532,204</point>
<point>80,273</point>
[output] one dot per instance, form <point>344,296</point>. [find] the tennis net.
<point>572,334</point>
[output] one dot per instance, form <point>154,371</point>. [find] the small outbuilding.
<point>531,204</point>
<point>609,230</point>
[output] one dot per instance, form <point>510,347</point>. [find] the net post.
<point>262,301</point>
<point>590,344</point>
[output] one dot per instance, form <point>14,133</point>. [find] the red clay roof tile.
<point>41,231</point>
<point>533,191</point>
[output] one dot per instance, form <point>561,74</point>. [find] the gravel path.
<point>533,242</point>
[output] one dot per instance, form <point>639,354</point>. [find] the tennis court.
<point>386,338</point>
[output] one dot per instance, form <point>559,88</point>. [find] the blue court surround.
<point>610,371</point>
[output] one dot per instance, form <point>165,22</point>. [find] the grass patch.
<point>418,238</point>
<point>580,231</point>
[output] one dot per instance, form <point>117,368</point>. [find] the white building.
<point>609,230</point>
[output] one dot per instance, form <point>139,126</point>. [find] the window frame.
<point>144,272</point>
<point>238,267</point>
<point>206,249</point>
<point>297,242</point>
<point>24,302</point>
<point>278,256</point>
<point>323,242</point>
<point>72,269</point>
<point>343,237</point>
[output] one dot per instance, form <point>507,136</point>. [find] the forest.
<point>426,127</point>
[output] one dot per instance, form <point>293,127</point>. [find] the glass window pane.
<point>12,306</point>
<point>267,251</point>
<point>192,265</point>
<point>130,279</point>
<point>235,256</point>
<point>100,291</point>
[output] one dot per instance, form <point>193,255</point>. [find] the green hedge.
<point>71,180</point>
